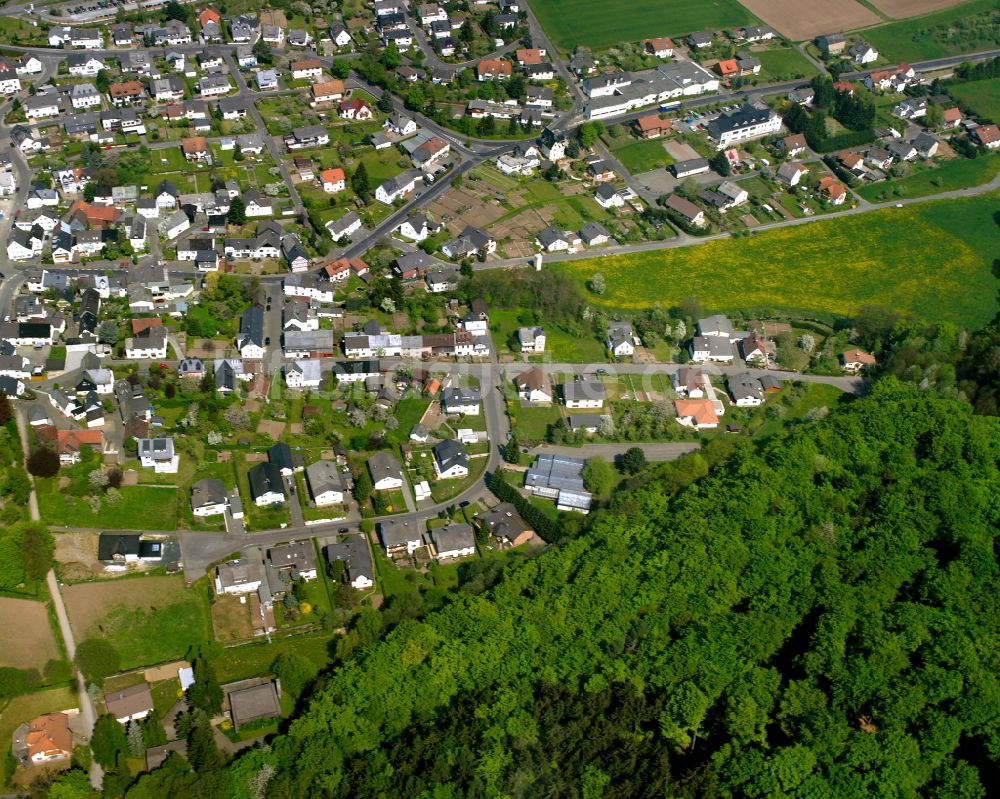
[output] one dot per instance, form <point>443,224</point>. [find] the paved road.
<point>654,452</point>
<point>494,374</point>
<point>272,147</point>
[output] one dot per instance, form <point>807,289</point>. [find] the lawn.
<point>148,620</point>
<point>566,348</point>
<point>933,260</point>
<point>249,660</point>
<point>955,173</point>
<point>17,31</point>
<point>643,156</point>
<point>785,64</point>
<point>982,96</point>
<point>560,346</point>
<point>149,507</point>
<point>965,28</point>
<point>532,424</point>
<point>588,22</point>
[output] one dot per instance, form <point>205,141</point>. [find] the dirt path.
<point>87,712</point>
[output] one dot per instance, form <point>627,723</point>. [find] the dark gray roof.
<point>323,476</point>
<point>353,551</point>
<point>252,326</point>
<point>265,477</point>
<point>450,453</point>
<point>208,491</point>
<point>453,536</point>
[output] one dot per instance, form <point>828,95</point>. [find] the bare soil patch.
<point>805,19</point>
<point>89,603</point>
<point>902,9</point>
<point>271,428</point>
<point>207,348</point>
<point>230,619</point>
<point>33,645</point>
<point>76,554</point>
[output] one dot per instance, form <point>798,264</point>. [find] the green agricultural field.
<point>785,64</point>
<point>155,506</point>
<point>595,24</point>
<point>982,96</point>
<point>643,156</point>
<point>933,260</point>
<point>966,28</point>
<point>956,173</point>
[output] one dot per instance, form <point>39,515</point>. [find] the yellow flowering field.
<point>933,259</point>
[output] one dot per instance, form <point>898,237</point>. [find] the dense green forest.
<point>814,618</point>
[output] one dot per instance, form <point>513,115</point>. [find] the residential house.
<point>593,234</point>
<point>833,190</point>
<point>356,109</point>
<point>746,391</point>
<point>534,386</point>
<point>791,174</point>
<point>45,739</point>
<point>386,472</point>
<point>454,541</point>
<point>583,393</point>
<point>471,242</point>
<point>325,483</point>
<point>689,382</point>
<point>149,344</point>
<point>266,484</point>
<point>461,401</point>
<point>697,413</point>
<point>553,240</point>
<point>250,341</point>
<point>353,552</point>
<point>450,460</point>
<point>208,497</point>
<point>652,127</point>
<point>987,136</point>
<point>130,704</point>
<point>303,374</point>
<point>686,210</point>
<point>397,187</point>
<point>242,576</point>
<point>855,360</point>
<point>331,91</point>
<point>831,44</point>
<point>620,339</point>
<point>158,454</point>
<point>344,227</point>
<point>748,122</point>
<point>399,536</point>
<point>531,339</point>
<point>863,53</point>
<point>506,525</point>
